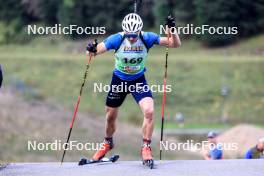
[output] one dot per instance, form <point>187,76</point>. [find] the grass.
<point>174,125</point>
<point>52,70</point>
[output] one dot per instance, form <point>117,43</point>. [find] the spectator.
<point>1,77</point>
<point>215,149</point>
<point>257,151</point>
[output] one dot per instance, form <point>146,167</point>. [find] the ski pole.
<point>164,93</point>
<point>135,6</point>
<point>136,3</point>
<point>77,103</point>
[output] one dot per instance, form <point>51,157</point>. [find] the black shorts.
<point>120,88</point>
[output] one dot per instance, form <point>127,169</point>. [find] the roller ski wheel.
<point>146,154</point>
<point>149,163</point>
<point>112,159</point>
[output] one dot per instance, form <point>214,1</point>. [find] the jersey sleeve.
<point>216,154</point>
<point>113,41</point>
<point>151,38</point>
<point>248,154</point>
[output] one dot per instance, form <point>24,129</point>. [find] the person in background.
<point>215,151</point>
<point>257,151</point>
<point>1,76</point>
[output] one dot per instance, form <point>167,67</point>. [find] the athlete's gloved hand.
<point>91,46</point>
<point>170,21</point>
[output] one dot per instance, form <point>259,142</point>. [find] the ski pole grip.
<point>95,42</point>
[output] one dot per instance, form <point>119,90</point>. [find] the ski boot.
<point>147,158</point>
<point>105,147</point>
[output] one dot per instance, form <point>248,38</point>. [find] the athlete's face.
<point>132,38</point>
<point>212,140</point>
<point>261,145</point>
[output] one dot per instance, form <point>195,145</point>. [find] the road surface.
<point>135,168</point>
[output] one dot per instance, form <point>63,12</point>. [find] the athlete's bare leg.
<point>110,125</point>
<point>147,107</point>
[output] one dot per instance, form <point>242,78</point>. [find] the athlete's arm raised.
<point>173,39</point>
<point>95,49</point>
<point>101,48</point>
<point>110,43</point>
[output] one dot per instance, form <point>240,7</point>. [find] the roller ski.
<point>147,158</point>
<point>99,155</point>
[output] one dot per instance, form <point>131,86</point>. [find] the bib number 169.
<point>133,60</point>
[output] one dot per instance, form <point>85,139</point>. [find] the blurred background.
<point>217,80</point>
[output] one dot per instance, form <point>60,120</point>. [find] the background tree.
<point>244,14</point>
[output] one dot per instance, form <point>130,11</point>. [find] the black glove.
<point>91,46</point>
<point>170,21</point>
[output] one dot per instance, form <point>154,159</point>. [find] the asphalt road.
<point>135,168</point>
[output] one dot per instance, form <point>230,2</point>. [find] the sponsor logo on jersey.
<point>133,48</point>
<point>131,68</point>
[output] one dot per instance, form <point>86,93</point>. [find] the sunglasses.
<point>131,35</point>
<point>211,137</point>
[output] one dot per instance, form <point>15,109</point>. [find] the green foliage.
<point>147,14</point>
<point>184,11</point>
<point>6,14</point>
<point>196,77</point>
<point>94,13</point>
<point>12,21</point>
<point>160,12</point>
<point>13,32</point>
<point>48,11</point>
<point>216,13</point>
<point>2,32</point>
<point>240,13</point>
<point>244,14</point>
<point>250,17</point>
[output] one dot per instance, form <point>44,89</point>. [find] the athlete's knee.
<point>149,113</point>
<point>111,114</point>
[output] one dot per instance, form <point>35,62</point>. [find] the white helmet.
<point>132,23</point>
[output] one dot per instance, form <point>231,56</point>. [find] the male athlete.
<point>215,151</point>
<point>257,151</point>
<point>131,50</point>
